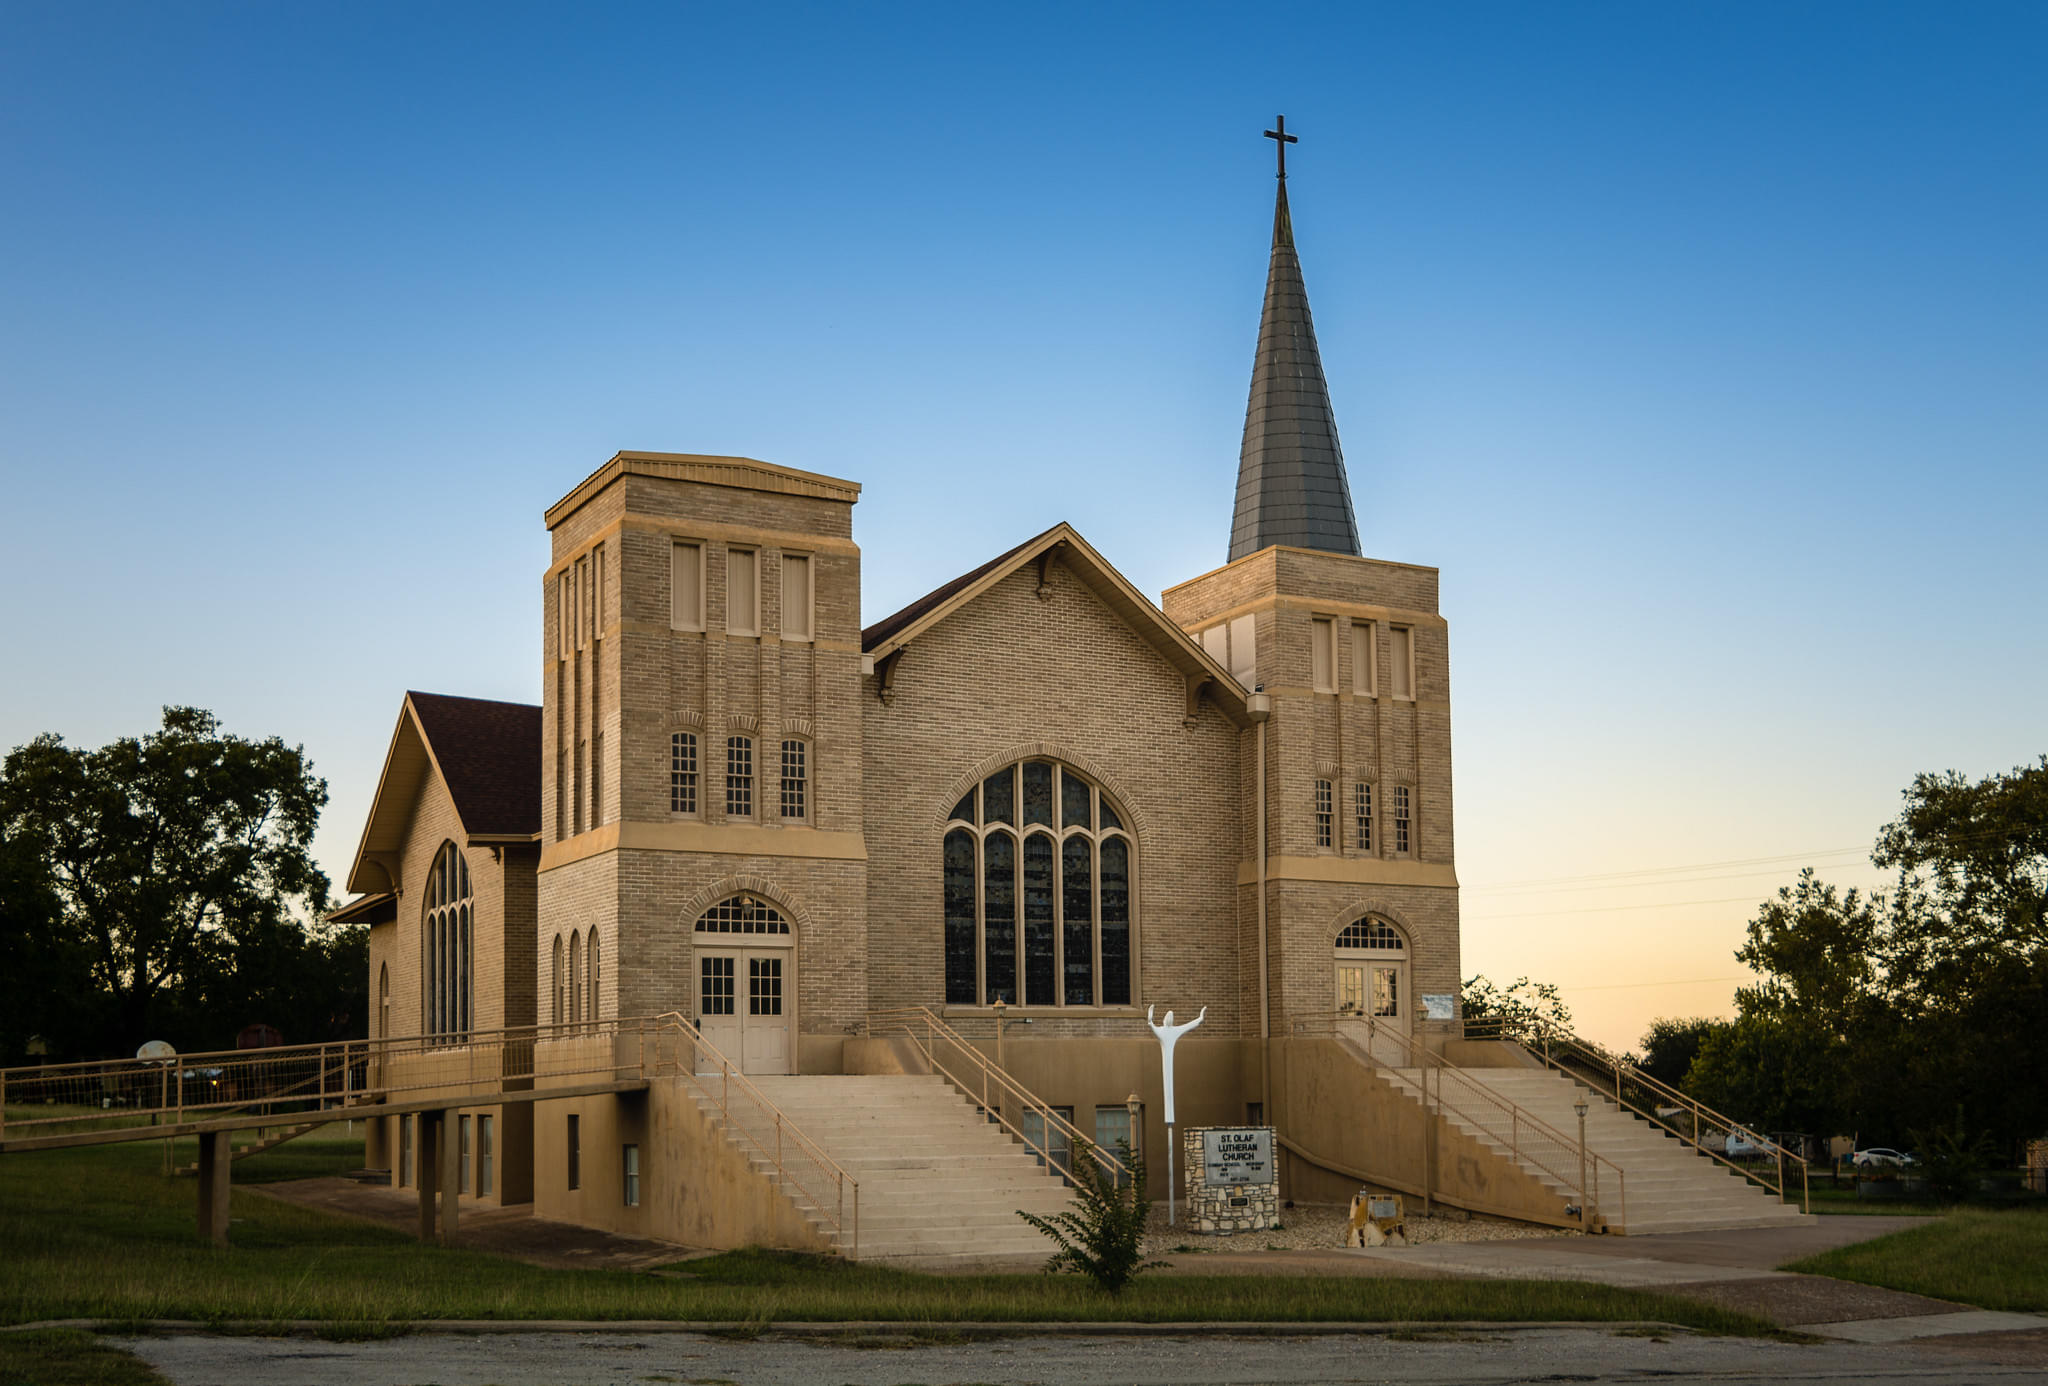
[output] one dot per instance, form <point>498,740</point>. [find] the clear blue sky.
<point>1702,347</point>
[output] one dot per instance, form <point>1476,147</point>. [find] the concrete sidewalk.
<point>1738,1270</point>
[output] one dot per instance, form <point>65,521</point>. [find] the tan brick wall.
<point>1009,676</point>
<point>649,681</point>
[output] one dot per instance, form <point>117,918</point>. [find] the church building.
<point>1026,809</point>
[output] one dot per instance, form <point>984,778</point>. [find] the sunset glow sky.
<point>1702,348</point>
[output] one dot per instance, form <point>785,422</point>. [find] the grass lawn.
<point>67,1357</point>
<point>1992,1259</point>
<point>100,1234</point>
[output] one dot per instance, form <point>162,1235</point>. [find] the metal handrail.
<point>1552,1037</point>
<point>773,1145</point>
<point>905,1021</point>
<point>289,1080</point>
<point>1520,1121</point>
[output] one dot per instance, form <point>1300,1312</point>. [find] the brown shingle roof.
<point>489,754</point>
<point>890,624</point>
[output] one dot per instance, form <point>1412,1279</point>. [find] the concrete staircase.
<point>1671,1186</point>
<point>937,1179</point>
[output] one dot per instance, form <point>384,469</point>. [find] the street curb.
<point>278,1328</point>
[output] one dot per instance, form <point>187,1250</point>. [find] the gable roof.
<point>897,630</point>
<point>487,755</point>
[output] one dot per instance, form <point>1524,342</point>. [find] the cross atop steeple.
<point>1291,487</point>
<point>1284,139</point>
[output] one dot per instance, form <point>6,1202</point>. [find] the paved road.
<point>1541,1355</point>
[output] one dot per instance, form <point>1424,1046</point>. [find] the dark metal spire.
<point>1291,487</point>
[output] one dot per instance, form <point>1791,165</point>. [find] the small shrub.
<point>1103,1236</point>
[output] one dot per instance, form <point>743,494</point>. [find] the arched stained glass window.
<point>445,945</point>
<point>1041,918</point>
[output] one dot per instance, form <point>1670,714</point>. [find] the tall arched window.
<point>560,1016</point>
<point>384,1001</point>
<point>1038,869</point>
<point>444,944</point>
<point>590,977</point>
<point>575,976</point>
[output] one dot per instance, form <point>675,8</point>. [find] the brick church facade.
<point>1034,793</point>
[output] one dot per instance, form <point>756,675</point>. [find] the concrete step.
<point>937,1178</point>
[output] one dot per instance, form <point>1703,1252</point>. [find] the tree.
<point>176,865</point>
<point>1103,1236</point>
<point>1915,1008</point>
<point>1522,1008</point>
<point>1670,1046</point>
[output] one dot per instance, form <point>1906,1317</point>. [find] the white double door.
<point>743,1005</point>
<point>1374,1007</point>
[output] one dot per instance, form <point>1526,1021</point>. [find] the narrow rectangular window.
<point>582,759</point>
<point>686,587</point>
<point>1364,678</point>
<point>739,777</point>
<point>1323,664</point>
<point>1400,792</point>
<point>1361,812</point>
<point>597,780</point>
<point>1325,813</point>
<point>486,1155</point>
<point>796,597</point>
<point>1244,651</point>
<point>742,593</point>
<point>1401,655</point>
<point>597,593</point>
<point>575,1152</point>
<point>462,1154</point>
<point>682,772</point>
<point>795,782</point>
<point>582,602</point>
<point>630,1184</point>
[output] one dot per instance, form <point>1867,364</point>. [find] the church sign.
<point>1237,1155</point>
<point>1233,1185</point>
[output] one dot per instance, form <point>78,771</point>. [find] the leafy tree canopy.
<point>1522,1007</point>
<point>169,883</point>
<point>1920,1007</point>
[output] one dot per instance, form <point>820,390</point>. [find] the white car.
<point>1881,1157</point>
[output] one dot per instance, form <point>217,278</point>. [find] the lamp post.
<point>1131,1105</point>
<point>1579,1106</point>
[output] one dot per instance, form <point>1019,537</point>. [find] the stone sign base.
<point>1222,1209</point>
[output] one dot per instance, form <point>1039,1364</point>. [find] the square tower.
<point>702,844</point>
<point>1354,658</point>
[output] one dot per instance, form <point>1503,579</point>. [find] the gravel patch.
<point>1313,1226</point>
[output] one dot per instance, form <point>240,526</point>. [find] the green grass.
<point>1994,1260</point>
<point>99,1234</point>
<point>66,1357</point>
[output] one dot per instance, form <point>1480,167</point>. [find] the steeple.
<point>1290,473</point>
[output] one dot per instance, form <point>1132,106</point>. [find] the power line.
<point>1669,870</point>
<point>1775,872</point>
<point>1609,909</point>
<point>1630,986</point>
